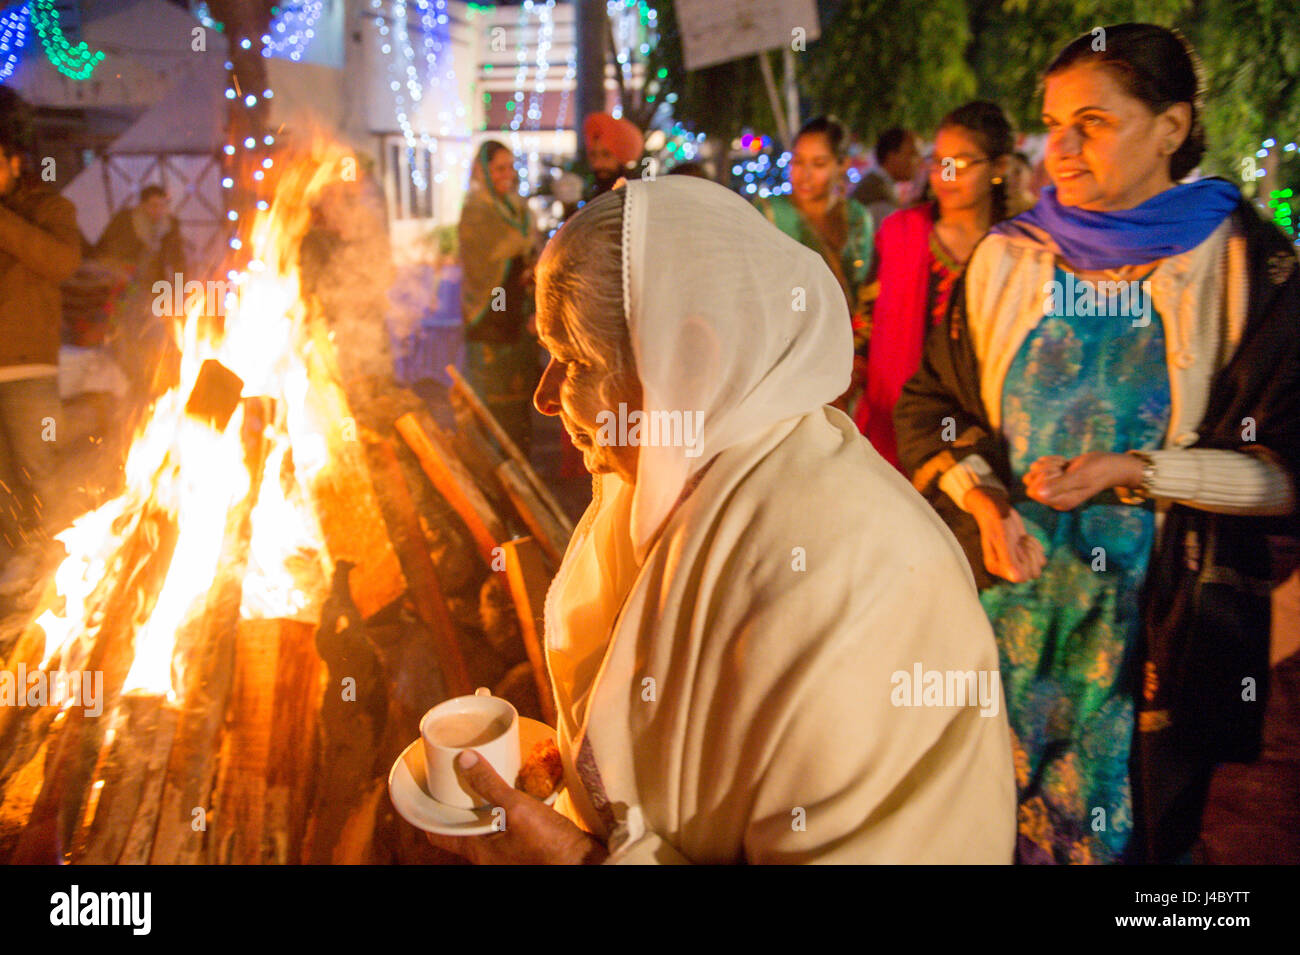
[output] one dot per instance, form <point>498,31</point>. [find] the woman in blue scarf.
<point>1108,418</point>
<point>498,248</point>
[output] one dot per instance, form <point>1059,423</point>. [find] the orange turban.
<point>621,137</point>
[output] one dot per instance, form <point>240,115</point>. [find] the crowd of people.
<point>1119,470</point>
<point>1107,482</point>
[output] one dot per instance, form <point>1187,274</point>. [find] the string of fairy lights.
<point>293,30</point>
<point>74,60</point>
<point>260,161</point>
<point>13,34</point>
<point>529,118</point>
<point>409,87</point>
<point>1280,199</point>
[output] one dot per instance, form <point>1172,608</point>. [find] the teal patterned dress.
<point>1077,384</point>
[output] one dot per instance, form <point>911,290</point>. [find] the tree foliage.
<point>880,63</point>
<point>719,100</point>
<point>1013,41</point>
<point>1252,61</point>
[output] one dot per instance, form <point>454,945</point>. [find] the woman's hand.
<point>533,834</point>
<point>1010,551</point>
<point>1064,485</point>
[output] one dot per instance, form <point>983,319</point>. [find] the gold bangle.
<point>1143,492</point>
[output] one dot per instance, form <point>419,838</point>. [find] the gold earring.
<point>997,180</point>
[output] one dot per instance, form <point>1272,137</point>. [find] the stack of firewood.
<point>278,746</point>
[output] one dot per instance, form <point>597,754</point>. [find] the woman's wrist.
<point>983,501</point>
<point>1136,472</point>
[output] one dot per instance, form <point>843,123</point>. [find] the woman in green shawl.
<point>837,228</point>
<point>498,250</point>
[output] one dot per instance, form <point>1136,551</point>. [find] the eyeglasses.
<point>958,164</point>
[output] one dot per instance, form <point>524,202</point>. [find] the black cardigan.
<point>1204,641</point>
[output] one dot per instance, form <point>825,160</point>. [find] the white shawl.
<point>722,670</point>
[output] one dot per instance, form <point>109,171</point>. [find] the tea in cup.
<point>484,723</point>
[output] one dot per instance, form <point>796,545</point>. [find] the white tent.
<point>174,143</point>
<point>148,47</point>
<point>150,67</point>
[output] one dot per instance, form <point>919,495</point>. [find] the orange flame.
<point>195,473</point>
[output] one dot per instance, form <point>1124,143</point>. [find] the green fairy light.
<point>75,62</point>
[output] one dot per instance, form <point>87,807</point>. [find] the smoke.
<point>346,270</point>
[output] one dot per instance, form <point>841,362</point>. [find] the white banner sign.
<point>714,31</point>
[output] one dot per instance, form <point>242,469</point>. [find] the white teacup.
<point>484,723</point>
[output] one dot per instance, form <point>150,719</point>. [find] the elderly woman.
<point>1115,458</point>
<point>756,627</point>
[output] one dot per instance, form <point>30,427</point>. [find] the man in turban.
<point>612,146</point>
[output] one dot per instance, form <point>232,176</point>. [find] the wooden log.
<point>518,686</point>
<point>20,798</point>
<point>139,839</point>
<point>50,831</point>
<point>341,490</point>
<point>480,456</point>
<point>185,801</point>
<point>239,798</point>
<point>216,394</point>
<point>265,777</point>
<point>413,549</point>
<point>27,650</point>
<point>356,843</point>
<point>29,740</point>
<point>290,779</point>
<point>413,683</point>
<point>455,484</point>
<point>16,720</point>
<point>548,532</point>
<point>352,710</point>
<point>27,726</point>
<point>209,651</point>
<point>529,579</point>
<point>123,808</point>
<point>539,489</point>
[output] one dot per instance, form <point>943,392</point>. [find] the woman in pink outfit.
<point>922,250</point>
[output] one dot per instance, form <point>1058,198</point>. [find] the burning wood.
<point>234,727</point>
<point>216,394</point>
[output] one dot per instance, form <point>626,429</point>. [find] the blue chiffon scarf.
<point>1171,222</point>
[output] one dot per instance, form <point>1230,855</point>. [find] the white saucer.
<point>407,789</point>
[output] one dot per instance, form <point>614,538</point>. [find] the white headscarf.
<point>729,318</point>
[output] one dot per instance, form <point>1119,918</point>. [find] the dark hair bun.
<point>1155,65</point>
<point>989,124</point>
<point>830,127</point>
